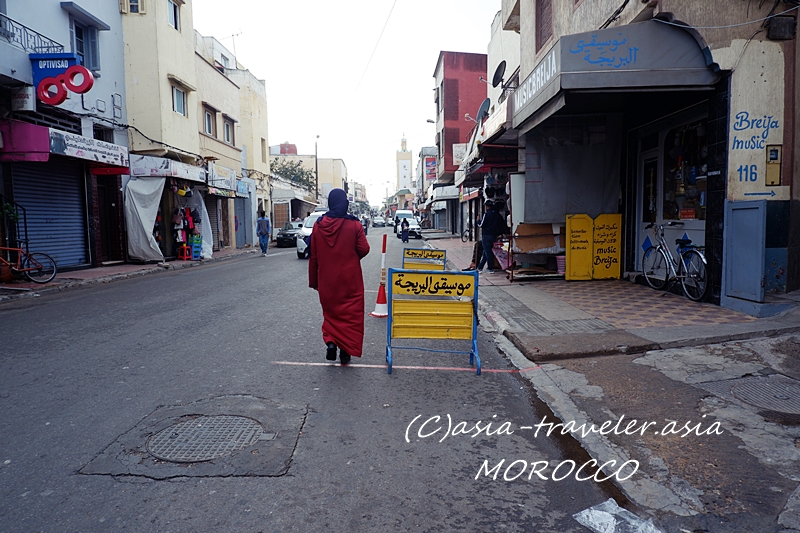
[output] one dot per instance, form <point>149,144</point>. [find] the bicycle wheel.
<point>465,236</point>
<point>655,268</point>
<point>693,275</point>
<point>43,268</point>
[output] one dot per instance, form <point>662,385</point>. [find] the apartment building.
<point>666,112</point>
<point>64,146</point>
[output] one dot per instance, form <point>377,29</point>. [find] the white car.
<point>305,231</point>
<point>413,225</point>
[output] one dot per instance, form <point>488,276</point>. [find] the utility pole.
<point>316,171</point>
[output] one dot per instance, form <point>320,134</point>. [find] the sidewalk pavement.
<point>611,349</point>
<point>76,278</point>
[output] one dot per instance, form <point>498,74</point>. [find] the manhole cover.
<point>204,438</point>
<point>776,395</point>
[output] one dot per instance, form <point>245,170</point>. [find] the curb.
<point>161,267</point>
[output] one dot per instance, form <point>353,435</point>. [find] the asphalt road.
<point>89,375</point>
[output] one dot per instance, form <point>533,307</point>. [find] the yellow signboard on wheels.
<point>424,259</point>
<point>433,304</point>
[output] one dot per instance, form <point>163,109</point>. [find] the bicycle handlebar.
<point>670,223</point>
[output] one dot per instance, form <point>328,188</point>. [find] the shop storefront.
<point>65,187</point>
<point>164,209</point>
<point>244,211</point>
<point>219,201</point>
<point>623,121</point>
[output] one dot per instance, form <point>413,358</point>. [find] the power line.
<point>376,45</point>
<point>729,25</point>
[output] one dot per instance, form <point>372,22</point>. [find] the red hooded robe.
<point>334,270</point>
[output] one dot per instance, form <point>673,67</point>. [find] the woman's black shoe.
<point>331,354</point>
<point>344,357</point>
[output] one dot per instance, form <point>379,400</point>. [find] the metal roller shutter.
<point>54,197</point>
<point>211,207</point>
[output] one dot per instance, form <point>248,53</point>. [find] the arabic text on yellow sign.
<point>444,284</point>
<point>423,253</point>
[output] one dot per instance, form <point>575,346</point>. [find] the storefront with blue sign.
<point>627,120</point>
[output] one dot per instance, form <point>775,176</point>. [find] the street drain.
<point>204,438</point>
<point>773,394</point>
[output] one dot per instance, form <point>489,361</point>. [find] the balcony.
<point>26,39</point>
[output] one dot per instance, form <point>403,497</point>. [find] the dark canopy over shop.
<point>645,56</point>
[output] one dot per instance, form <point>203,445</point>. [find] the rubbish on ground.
<point>608,517</point>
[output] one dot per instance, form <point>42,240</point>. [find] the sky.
<point>325,76</point>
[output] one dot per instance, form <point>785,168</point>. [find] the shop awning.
<point>645,56</point>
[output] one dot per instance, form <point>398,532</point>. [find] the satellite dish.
<point>483,110</point>
<point>497,79</point>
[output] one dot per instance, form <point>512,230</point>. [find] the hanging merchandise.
<point>188,218</point>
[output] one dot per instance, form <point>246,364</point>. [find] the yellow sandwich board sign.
<point>593,247</point>
<point>579,247</point>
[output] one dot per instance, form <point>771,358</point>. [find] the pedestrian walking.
<point>492,226</point>
<point>264,228</point>
<point>338,244</point>
<point>404,225</point>
<point>365,223</point>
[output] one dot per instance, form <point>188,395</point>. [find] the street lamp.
<point>316,171</point>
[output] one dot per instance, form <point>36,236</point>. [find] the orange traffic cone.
<point>381,306</point>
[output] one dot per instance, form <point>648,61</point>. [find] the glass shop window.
<point>685,168</point>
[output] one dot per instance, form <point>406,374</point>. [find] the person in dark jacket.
<point>264,230</point>
<point>492,226</point>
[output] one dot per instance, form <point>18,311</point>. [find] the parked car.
<point>378,222</point>
<point>305,231</point>
<point>287,235</point>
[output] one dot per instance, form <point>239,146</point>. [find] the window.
<point>84,44</point>
<point>209,123</point>
<point>224,60</point>
<point>228,132</point>
<point>544,22</point>
<point>132,6</point>
<point>174,14</point>
<point>263,150</point>
<point>102,133</point>
<point>178,101</point>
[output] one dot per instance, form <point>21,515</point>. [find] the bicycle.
<point>466,235</point>
<point>660,266</point>
<point>37,267</point>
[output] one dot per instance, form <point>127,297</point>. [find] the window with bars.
<point>544,22</point>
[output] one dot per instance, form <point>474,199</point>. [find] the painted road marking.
<point>383,367</point>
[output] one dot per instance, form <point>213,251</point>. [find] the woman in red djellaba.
<point>338,244</point>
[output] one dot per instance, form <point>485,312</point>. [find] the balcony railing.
<point>26,39</point>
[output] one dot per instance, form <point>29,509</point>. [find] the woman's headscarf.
<point>338,204</point>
